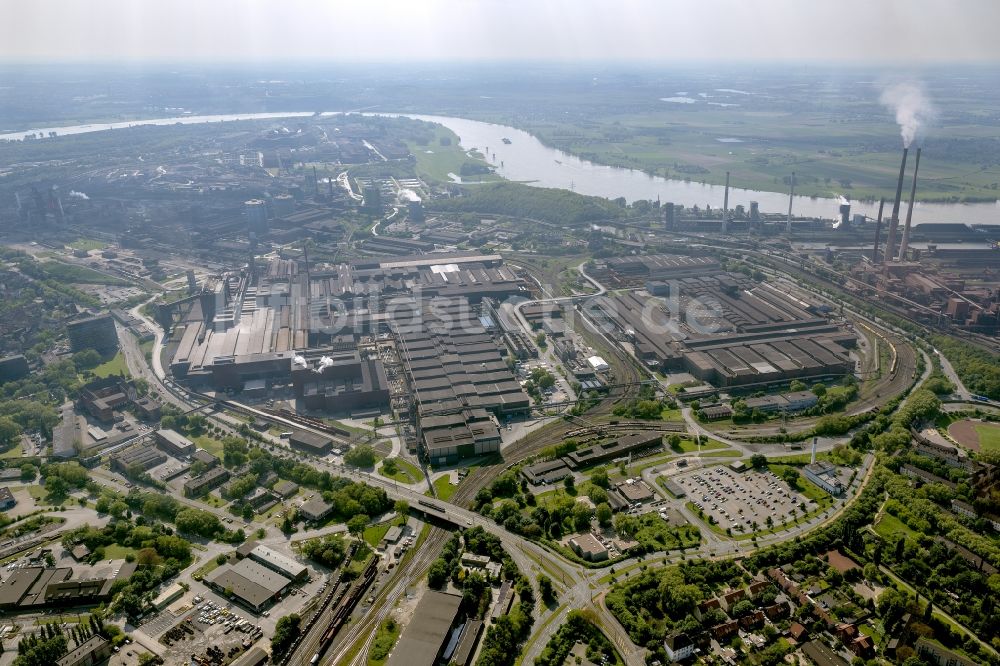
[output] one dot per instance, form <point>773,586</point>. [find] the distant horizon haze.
<point>231,32</point>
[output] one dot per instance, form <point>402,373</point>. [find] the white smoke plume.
<point>912,106</point>
<point>78,195</point>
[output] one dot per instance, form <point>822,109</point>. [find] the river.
<point>526,159</point>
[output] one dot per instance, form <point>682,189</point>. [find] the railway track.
<point>394,587</point>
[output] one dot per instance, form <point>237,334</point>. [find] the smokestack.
<point>909,210</point>
<point>812,460</point>
<point>878,230</point>
<point>316,182</point>
<point>791,195</point>
<point>890,245</point>
<point>845,216</point>
<point>725,207</point>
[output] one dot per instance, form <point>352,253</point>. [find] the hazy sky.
<point>905,31</point>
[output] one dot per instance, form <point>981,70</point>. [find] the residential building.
<point>211,479</point>
<point>315,510</point>
<point>7,501</point>
<point>13,368</point>
<point>92,651</point>
<point>963,508</point>
<point>678,647</point>
<point>97,333</point>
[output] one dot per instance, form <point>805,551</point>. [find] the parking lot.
<point>739,501</point>
<point>206,623</point>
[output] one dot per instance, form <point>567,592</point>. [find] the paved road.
<point>953,377</point>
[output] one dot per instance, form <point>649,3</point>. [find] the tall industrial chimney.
<point>845,216</point>
<point>878,230</point>
<point>812,459</point>
<point>890,246</point>
<point>791,196</point>
<point>725,207</point>
<point>909,211</point>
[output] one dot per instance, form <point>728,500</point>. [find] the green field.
<point>436,160</point>
<point>671,415</point>
<point>208,567</point>
<point>115,366</point>
<point>989,436</point>
<point>444,488</point>
<point>385,639</point>
<point>889,526</point>
<point>374,533</point>
<point>87,244</point>
<point>829,154</point>
<point>116,552</point>
<point>406,472</point>
<point>210,444</point>
<point>74,274</point>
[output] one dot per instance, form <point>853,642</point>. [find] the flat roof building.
<point>13,368</point>
<point>544,473</point>
<point>588,547</point>
<point>315,510</point>
<point>423,639</point>
<point>174,443</point>
<point>7,501</point>
<point>97,333</point>
<point>286,488</point>
<point>310,442</point>
<point>824,475</point>
<point>92,651</point>
<point>283,564</point>
<point>251,583</point>
<point>200,485</point>
<point>630,444</point>
<point>143,456</point>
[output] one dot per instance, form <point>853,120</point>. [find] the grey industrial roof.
<point>266,578</point>
<point>249,580</point>
<point>423,637</point>
<point>277,560</point>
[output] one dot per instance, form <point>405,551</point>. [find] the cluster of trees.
<point>934,566</point>
<point>978,369</point>
<point>29,415</point>
<point>241,486</point>
<point>538,381</point>
<point>328,551</point>
<point>517,512</point>
<point>43,649</point>
<point>286,631</point>
<point>361,456</point>
<point>656,602</point>
<point>565,514</point>
<point>38,298</point>
<point>197,521</point>
<point>649,409</point>
<point>63,478</point>
<point>578,628</point>
<point>155,545</point>
<point>550,205</point>
<point>503,640</point>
